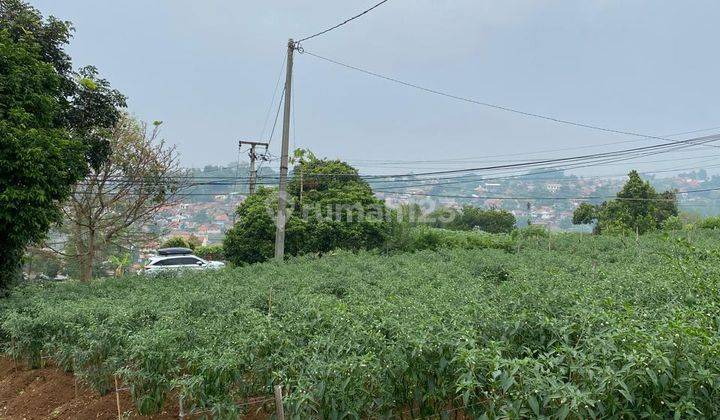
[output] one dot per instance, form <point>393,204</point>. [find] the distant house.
<point>553,187</point>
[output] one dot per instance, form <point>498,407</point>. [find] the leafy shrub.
<point>413,239</point>
<point>179,242</point>
<point>531,231</point>
<point>210,252</point>
<point>487,220</point>
<point>709,223</point>
<point>672,223</point>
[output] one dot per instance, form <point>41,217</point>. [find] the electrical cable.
<point>342,23</point>
<point>487,104</point>
<point>460,160</point>
<point>272,132</point>
<point>277,114</point>
<point>556,198</point>
<point>632,152</point>
<point>272,101</point>
<point>561,168</point>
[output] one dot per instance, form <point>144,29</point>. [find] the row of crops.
<point>568,326</point>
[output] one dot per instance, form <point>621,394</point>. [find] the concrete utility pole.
<point>253,157</point>
<point>282,194</point>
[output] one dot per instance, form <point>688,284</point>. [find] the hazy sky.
<point>208,70</point>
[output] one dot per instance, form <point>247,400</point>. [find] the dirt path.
<point>50,393</point>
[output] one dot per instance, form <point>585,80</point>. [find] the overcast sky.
<point>208,70</point>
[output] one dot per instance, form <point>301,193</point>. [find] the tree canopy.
<point>471,217</point>
<point>331,207</point>
<point>48,135</point>
<point>638,208</point>
<point>191,242</point>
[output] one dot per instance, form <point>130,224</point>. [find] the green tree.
<point>441,217</point>
<point>638,208</point>
<point>39,161</point>
<point>410,214</point>
<point>490,220</point>
<point>179,242</point>
<point>48,127</point>
<point>252,238</point>
<point>338,210</point>
<point>321,175</point>
<point>210,252</point>
<point>584,214</point>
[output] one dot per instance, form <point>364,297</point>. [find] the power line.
<point>272,101</point>
<point>554,198</point>
<point>478,197</point>
<point>277,114</point>
<point>682,143</point>
<point>592,158</point>
<point>528,164</point>
<point>431,166</point>
<point>487,104</point>
<point>634,152</point>
<point>231,180</point>
<point>272,132</point>
<point>228,180</point>
<point>386,162</point>
<point>555,169</point>
<point>342,23</point>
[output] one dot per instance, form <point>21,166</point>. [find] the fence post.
<point>279,403</point>
<point>117,399</point>
<point>181,414</point>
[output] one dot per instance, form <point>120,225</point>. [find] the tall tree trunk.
<point>88,259</point>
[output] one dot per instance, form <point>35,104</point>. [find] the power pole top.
<point>253,157</point>
<point>253,143</point>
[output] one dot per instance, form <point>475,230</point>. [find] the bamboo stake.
<point>180,404</point>
<point>117,399</point>
<point>279,403</point>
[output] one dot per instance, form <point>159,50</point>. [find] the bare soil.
<point>51,393</point>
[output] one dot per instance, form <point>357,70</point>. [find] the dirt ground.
<point>50,393</point>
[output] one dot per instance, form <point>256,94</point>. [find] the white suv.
<point>169,259</point>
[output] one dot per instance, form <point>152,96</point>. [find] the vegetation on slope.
<point>569,326</point>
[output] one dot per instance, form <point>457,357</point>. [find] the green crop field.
<point>568,326</point>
